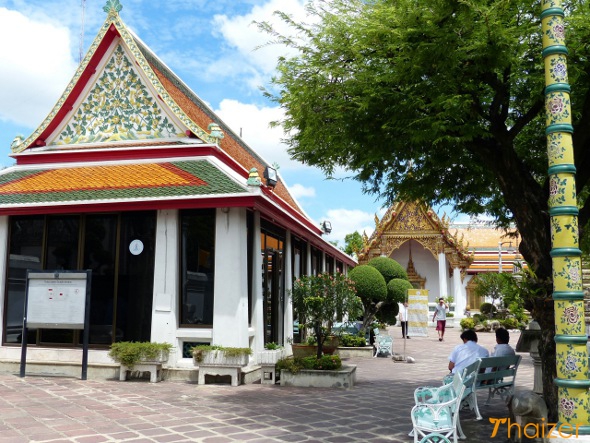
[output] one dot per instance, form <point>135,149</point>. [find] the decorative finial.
<point>16,142</point>
<point>253,178</point>
<point>216,132</point>
<point>112,7</point>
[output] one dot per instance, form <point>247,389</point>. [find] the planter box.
<point>270,357</point>
<point>153,366</point>
<point>355,352</point>
<point>219,358</point>
<point>344,377</point>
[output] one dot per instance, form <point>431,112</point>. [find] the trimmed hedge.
<point>388,268</point>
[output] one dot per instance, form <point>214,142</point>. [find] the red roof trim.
<point>89,71</point>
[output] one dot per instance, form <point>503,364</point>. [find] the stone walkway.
<point>51,409</point>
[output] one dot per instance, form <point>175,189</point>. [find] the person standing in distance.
<point>403,319</point>
<point>440,317</point>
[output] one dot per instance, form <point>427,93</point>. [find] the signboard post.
<point>57,300</point>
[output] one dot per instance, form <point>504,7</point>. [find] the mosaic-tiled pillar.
<point>570,334</point>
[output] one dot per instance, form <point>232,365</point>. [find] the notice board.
<point>418,312</point>
<point>56,300</point>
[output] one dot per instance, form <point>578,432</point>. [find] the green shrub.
<point>369,283</point>
<point>478,318</point>
<point>128,353</point>
<point>397,290</point>
<point>387,314</point>
<point>198,351</point>
<point>467,323</point>
<point>272,346</point>
<point>510,323</point>
<point>450,314</point>
<point>388,268</point>
<point>294,365</point>
<point>352,341</point>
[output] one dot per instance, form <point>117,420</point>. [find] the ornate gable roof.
<point>122,92</point>
<point>406,221</point>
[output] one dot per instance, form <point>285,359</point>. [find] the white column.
<point>165,296</point>
<point>288,304</point>
<point>442,276</point>
<point>459,293</point>
<point>308,260</point>
<point>257,306</point>
<point>230,307</point>
<point>3,260</point>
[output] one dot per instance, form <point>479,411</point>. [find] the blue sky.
<point>209,44</point>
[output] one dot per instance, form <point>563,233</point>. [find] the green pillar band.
<point>558,87</point>
<point>568,297</point>
<point>559,128</point>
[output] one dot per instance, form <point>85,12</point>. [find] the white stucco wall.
<point>424,263</point>
<point>230,310</point>
<point>165,298</point>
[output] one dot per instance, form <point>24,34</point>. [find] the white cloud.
<point>346,221</point>
<point>254,124</point>
<point>35,67</point>
<point>298,191</point>
<point>241,33</point>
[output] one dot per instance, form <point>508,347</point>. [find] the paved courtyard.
<point>53,409</point>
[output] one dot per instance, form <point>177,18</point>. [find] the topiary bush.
<point>397,290</point>
<point>388,268</point>
<point>387,314</point>
<point>369,282</point>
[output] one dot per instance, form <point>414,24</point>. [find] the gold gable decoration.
<point>118,107</point>
<point>114,20</point>
<point>405,221</point>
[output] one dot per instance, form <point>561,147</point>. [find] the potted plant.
<point>129,353</point>
<point>324,372</point>
<point>272,353</point>
<point>322,299</point>
<point>215,355</point>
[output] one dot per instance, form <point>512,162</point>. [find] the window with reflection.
<point>197,267</point>
<point>121,283</point>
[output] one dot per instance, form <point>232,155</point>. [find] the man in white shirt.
<point>502,348</point>
<point>440,317</point>
<point>465,354</point>
<point>403,319</point>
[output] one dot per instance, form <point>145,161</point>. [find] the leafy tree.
<point>441,101</point>
<point>492,285</point>
<point>322,299</point>
<point>353,243</point>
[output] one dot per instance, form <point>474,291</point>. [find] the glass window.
<point>25,252</point>
<point>121,283</point>
<point>197,267</point>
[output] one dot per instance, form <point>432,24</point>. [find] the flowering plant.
<point>322,299</point>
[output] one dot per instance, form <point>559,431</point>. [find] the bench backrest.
<point>495,370</point>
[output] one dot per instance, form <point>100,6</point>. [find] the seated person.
<point>465,354</point>
<point>502,348</point>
